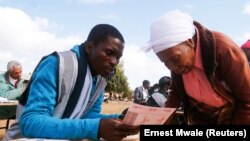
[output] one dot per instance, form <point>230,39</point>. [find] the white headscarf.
<point>170,30</point>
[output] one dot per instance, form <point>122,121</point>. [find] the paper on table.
<point>2,99</point>
<point>5,100</point>
<point>146,115</point>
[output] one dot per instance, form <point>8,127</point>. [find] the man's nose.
<point>114,61</point>
<point>19,74</point>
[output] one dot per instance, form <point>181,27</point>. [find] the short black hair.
<point>164,81</point>
<point>101,32</point>
<point>145,82</point>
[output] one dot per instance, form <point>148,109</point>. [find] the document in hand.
<point>146,115</point>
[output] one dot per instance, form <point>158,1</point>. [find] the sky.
<point>31,29</point>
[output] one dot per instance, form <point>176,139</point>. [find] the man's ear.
<point>89,47</point>
<point>190,43</point>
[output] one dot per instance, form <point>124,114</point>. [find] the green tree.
<point>119,83</point>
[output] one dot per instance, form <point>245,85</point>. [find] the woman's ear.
<point>89,47</point>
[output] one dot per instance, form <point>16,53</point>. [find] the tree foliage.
<point>119,83</point>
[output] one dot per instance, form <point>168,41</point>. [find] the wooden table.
<point>8,112</point>
<point>13,102</point>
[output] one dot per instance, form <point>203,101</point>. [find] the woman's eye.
<point>175,59</point>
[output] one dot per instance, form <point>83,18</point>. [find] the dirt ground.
<point>112,107</point>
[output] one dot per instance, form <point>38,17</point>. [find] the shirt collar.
<point>198,59</point>
<point>12,81</point>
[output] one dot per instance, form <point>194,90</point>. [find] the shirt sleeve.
<point>159,99</point>
<point>8,92</point>
<point>233,68</point>
<point>137,96</point>
<point>37,119</point>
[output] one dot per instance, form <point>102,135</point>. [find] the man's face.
<point>146,86</point>
<point>105,56</point>
<point>180,58</point>
<point>16,72</point>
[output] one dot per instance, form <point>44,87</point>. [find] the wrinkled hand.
<point>115,130</point>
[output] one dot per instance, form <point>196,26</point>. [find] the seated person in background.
<point>106,98</point>
<point>141,93</point>
<point>246,48</point>
<point>11,84</point>
<point>153,89</point>
<point>159,98</point>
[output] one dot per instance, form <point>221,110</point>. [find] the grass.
<point>113,107</point>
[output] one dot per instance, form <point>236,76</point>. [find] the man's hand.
<point>115,130</point>
<point>144,102</point>
<point>123,114</point>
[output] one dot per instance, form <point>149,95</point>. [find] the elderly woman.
<point>210,73</point>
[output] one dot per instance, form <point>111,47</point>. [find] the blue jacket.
<point>37,119</point>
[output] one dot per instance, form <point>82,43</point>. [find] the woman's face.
<point>180,58</point>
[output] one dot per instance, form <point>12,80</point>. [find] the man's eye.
<point>109,53</point>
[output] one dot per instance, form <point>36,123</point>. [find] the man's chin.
<point>105,75</point>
